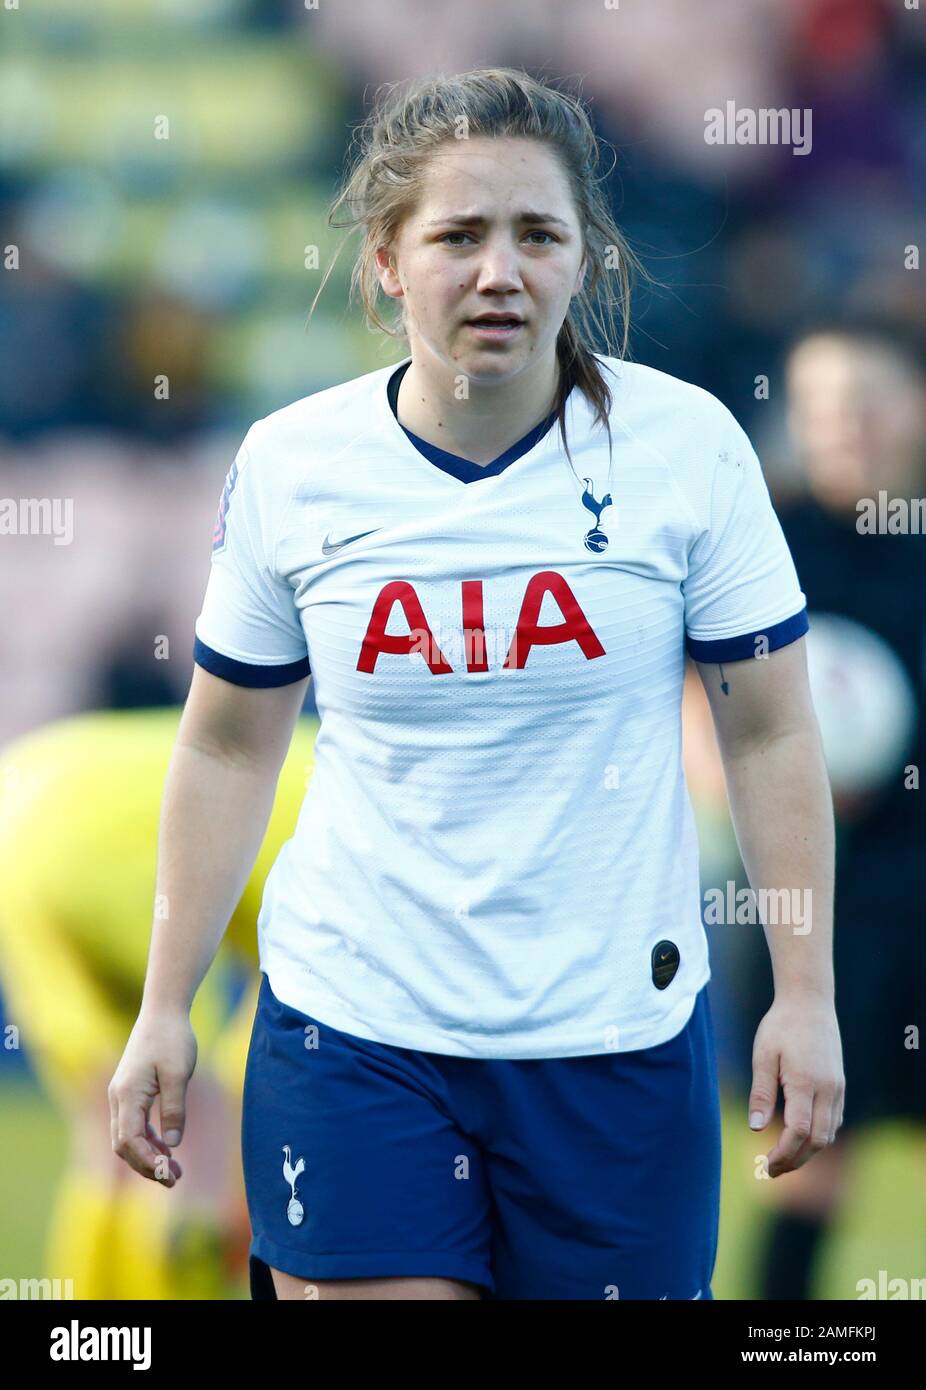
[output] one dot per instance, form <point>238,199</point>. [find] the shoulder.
<point>289,451</point>
<point>680,427</point>
<point>640,391</point>
<point>319,424</point>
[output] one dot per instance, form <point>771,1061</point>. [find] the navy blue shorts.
<point>590,1177</point>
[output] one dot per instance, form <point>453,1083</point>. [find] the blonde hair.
<point>386,174</point>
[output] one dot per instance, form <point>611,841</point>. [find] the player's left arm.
<point>782,812</point>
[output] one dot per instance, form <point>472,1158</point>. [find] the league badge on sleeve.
<point>218,535</point>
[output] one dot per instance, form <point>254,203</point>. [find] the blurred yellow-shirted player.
<point>79,810</point>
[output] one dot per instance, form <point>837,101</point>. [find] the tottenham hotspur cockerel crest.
<point>595,539</point>
<point>294,1209</point>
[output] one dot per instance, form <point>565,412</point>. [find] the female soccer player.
<point>482,1060</point>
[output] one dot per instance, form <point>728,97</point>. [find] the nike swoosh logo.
<point>329,546</point>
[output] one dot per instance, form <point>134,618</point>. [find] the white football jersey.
<point>496,855</point>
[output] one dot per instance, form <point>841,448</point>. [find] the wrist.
<point>164,1004</point>
<point>805,991</point>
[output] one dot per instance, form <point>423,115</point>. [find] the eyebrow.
<point>474,219</point>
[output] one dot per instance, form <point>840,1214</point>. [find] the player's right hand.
<point>158,1060</point>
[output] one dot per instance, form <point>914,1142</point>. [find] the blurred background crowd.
<point>166,170</point>
<point>183,257</point>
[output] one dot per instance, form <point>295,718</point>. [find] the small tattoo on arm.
<point>723,684</point>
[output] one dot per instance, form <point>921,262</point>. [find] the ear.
<point>388,277</point>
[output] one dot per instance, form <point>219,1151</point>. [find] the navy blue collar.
<point>464,469</point>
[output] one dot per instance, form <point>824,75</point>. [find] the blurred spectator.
<point>131,676</point>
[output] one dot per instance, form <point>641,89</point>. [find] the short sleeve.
<point>249,631</point>
<point>742,584</point>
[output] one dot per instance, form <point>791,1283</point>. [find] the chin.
<point>499,354</point>
<point>486,369</point>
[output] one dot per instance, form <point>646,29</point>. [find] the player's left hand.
<point>798,1046</point>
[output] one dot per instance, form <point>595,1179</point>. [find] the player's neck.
<point>481,427</point>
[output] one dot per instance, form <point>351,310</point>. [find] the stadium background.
<point>136,257</point>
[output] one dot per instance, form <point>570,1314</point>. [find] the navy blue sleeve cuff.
<point>244,673</point>
<point>739,648</point>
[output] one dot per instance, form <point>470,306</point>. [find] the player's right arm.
<point>218,795</point>
<point>250,677</point>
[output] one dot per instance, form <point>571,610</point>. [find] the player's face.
<point>500,262</point>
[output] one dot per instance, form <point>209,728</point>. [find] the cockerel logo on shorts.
<point>294,1211</point>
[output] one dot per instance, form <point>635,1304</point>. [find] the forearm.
<point>214,814</point>
<point>782,812</point>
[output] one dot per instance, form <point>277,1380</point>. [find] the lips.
<point>496,320</point>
